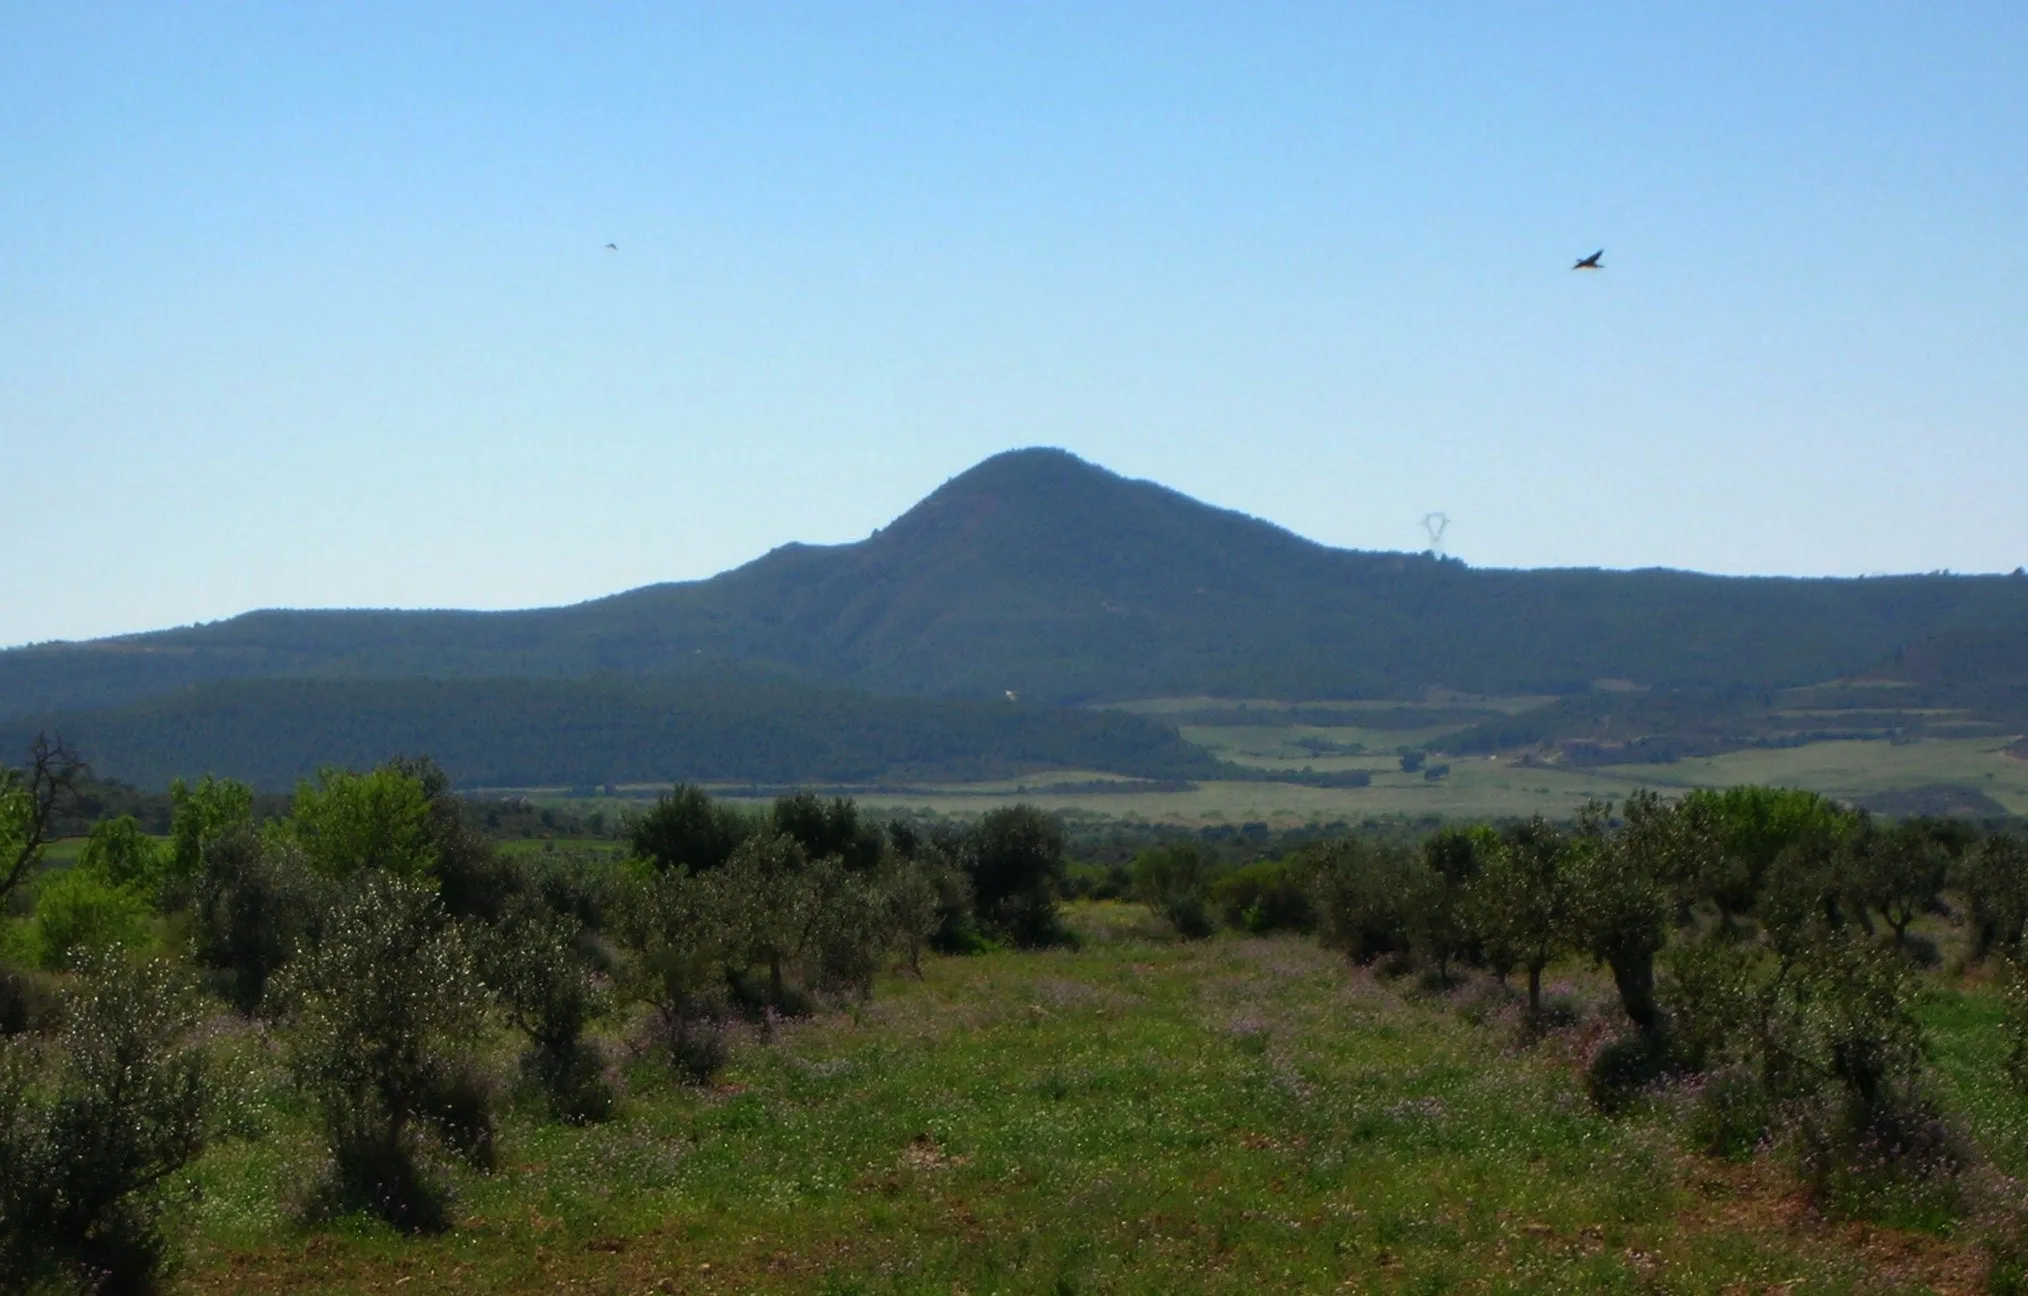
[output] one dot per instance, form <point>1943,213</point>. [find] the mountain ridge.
<point>1039,573</point>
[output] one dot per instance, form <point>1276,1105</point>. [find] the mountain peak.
<point>1050,497</point>
<point>1034,473</point>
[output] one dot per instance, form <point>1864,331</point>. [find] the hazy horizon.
<point>315,309</point>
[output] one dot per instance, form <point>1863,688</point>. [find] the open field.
<point>1286,738</point>
<point>1171,707</point>
<point>1475,788</point>
<point>1139,1115</point>
<point>1481,788</point>
<point>1856,768</point>
<point>1493,792</point>
<point>64,850</point>
<point>1295,747</point>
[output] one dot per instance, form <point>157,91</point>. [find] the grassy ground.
<point>1137,1115</point>
<point>1481,788</point>
<point>1858,768</point>
<point>63,851</point>
<point>1475,788</point>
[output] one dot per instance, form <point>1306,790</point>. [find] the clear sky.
<point>310,305</point>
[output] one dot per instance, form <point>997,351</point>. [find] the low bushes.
<point>78,916</point>
<point>95,1123</point>
<point>1264,896</point>
<point>1175,881</point>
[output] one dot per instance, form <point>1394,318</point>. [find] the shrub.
<point>916,894</point>
<point>1174,881</point>
<point>851,930</point>
<point>944,854</point>
<point>766,900</point>
<point>678,945</point>
<point>1621,900</point>
<point>1820,1028</point>
<point>1443,922</point>
<point>24,1001</point>
<point>90,1148</point>
<point>1626,1068</point>
<point>79,915</point>
<point>254,900</point>
<point>1712,993</point>
<point>383,1012</point>
<point>1265,896</point>
<point>830,829</point>
<point>1097,882</point>
<point>124,856</point>
<point>687,829</point>
<point>1524,902</point>
<point>1993,877</point>
<point>1893,1157</point>
<point>1730,1114</point>
<point>379,821</point>
<point>552,994</point>
<point>200,816</point>
<point>1366,895</point>
<point>1015,859</point>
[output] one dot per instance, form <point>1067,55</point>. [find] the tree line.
<point>723,721</point>
<point>387,945</point>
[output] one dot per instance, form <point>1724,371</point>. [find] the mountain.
<point>728,722</point>
<point>1043,574</point>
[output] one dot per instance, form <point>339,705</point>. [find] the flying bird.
<point>614,247</point>
<point>1591,262</point>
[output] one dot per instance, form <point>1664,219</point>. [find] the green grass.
<point>1513,705</point>
<point>1482,788</point>
<point>1969,1052</point>
<point>1858,768</point>
<point>63,852</point>
<point>1280,746</point>
<point>1476,788</point>
<point>1137,1115</point>
<point>1468,792</point>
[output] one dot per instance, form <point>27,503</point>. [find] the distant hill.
<point>1040,573</point>
<point>725,723</point>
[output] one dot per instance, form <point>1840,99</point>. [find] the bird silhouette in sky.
<point>1591,262</point>
<point>614,247</point>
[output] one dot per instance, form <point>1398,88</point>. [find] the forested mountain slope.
<point>1043,574</point>
<point>734,723</point>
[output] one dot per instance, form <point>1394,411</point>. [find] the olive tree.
<point>1015,858</point>
<point>534,959</point>
<point>1627,884</point>
<point>678,945</point>
<point>383,1013</point>
<point>93,1136</point>
<point>1526,899</point>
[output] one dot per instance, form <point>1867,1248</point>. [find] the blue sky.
<point>309,305</point>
